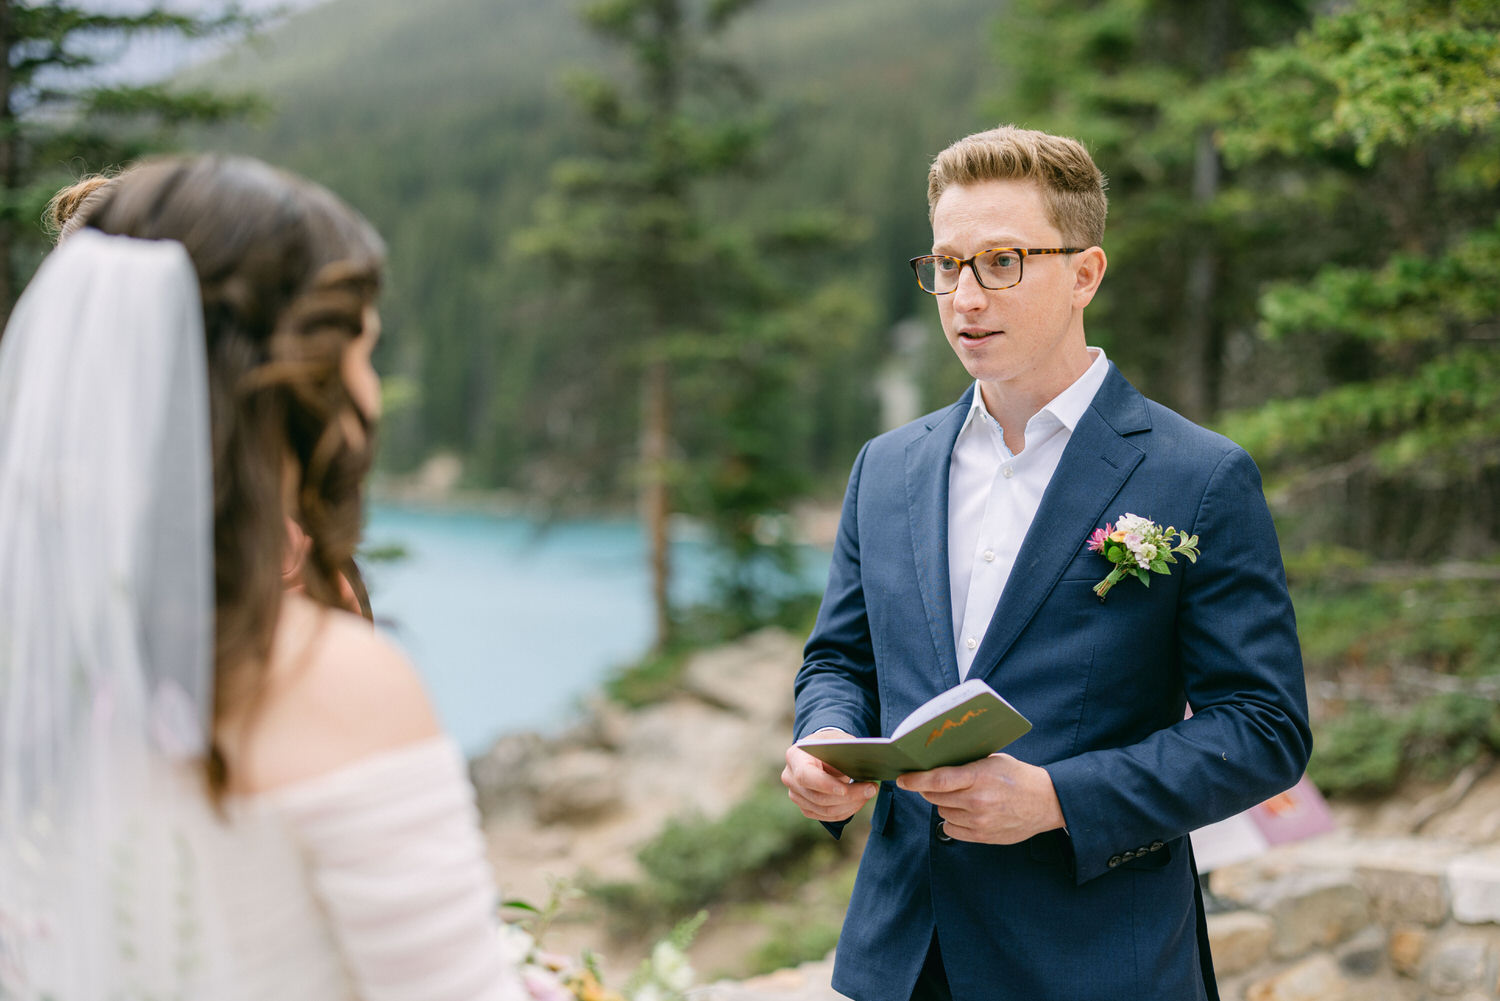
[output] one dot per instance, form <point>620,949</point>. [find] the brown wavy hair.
<point>286,272</point>
<point>68,209</point>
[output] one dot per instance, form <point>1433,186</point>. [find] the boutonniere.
<point>1139,547</point>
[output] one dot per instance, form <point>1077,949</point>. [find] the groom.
<point>1061,869</point>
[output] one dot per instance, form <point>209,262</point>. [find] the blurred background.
<point>648,294</point>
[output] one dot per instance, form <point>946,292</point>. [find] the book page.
<point>954,696</point>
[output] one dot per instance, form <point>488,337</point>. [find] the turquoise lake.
<point>511,621</point>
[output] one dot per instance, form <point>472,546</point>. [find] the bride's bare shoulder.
<point>336,692</point>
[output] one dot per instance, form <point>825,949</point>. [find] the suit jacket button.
<point>1157,846</point>
<point>1114,860</point>
<point>942,834</point>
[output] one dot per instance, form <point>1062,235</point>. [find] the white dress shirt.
<point>993,495</point>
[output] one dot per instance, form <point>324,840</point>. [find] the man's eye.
<point>945,264</point>
<point>1006,260</point>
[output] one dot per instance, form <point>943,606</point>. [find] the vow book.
<point>963,724</point>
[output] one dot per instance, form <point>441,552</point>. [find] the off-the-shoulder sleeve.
<point>397,859</point>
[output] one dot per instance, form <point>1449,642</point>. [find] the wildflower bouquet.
<point>665,975</point>
<point>1138,547</point>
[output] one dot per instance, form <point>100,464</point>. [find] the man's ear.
<point>1088,271</point>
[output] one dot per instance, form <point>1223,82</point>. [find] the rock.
<point>603,724</point>
<point>1314,979</point>
<point>1239,940</point>
<point>1406,948</point>
<point>576,786</point>
<point>1364,955</point>
<point>1312,910</point>
<point>751,678</point>
<point>1410,890</point>
<point>503,776</point>
<point>1475,884</point>
<point>1460,965</point>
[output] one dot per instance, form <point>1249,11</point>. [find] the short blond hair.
<point>1072,186</point>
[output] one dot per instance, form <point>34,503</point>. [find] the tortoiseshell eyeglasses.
<point>996,268</point>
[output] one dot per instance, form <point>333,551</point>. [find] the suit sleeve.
<point>836,684</point>
<point>1236,643</point>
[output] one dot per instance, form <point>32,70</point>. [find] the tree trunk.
<point>1201,333</point>
<point>656,505</point>
<point>1202,336</point>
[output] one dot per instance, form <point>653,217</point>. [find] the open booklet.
<point>963,724</point>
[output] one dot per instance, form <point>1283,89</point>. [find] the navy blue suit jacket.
<point>1110,908</point>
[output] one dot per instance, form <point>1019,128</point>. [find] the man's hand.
<point>996,800</point>
<point>821,791</point>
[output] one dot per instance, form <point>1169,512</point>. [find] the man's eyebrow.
<point>1008,241</point>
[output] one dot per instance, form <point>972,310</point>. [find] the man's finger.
<point>938,780</point>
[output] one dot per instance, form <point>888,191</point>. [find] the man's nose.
<point>968,294</point>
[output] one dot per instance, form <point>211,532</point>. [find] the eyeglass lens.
<point>995,269</point>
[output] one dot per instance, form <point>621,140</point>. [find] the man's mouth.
<point>978,335</point>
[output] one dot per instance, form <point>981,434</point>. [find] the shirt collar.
<point>1066,407</point>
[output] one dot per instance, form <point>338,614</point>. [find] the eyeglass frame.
<point>1020,271</point>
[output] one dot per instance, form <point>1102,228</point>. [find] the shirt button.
<point>989,556</point>
<point>1008,472</point>
<point>971,643</point>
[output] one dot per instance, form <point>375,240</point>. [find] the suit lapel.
<point>927,506</point>
<point>1095,464</point>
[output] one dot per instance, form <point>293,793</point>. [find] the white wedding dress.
<point>368,883</point>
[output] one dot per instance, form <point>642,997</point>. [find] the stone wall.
<point>1344,918</point>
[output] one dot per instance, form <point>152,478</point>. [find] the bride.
<point>211,787</point>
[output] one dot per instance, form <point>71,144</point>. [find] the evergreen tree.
<point>1385,114</point>
<point>1119,75</point>
<point>57,114</point>
<point>633,247</point>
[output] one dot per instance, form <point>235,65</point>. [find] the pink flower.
<point>543,985</point>
<point>1097,540</point>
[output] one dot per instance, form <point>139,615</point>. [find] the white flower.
<point>1143,551</point>
<point>647,992</point>
<point>515,944</point>
<point>671,967</point>
<point>1131,523</point>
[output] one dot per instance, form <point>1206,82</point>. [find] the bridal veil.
<point>106,625</point>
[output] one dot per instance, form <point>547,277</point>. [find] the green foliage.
<point>694,862</point>
<point>445,123</point>
<point>1177,288</point>
<point>627,223</point>
<point>1394,621</point>
<point>1360,752</point>
<point>794,942</point>
<point>57,118</point>
<point>1386,110</point>
<point>1365,751</point>
<point>652,678</point>
<point>1408,659</point>
<point>1372,76</point>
